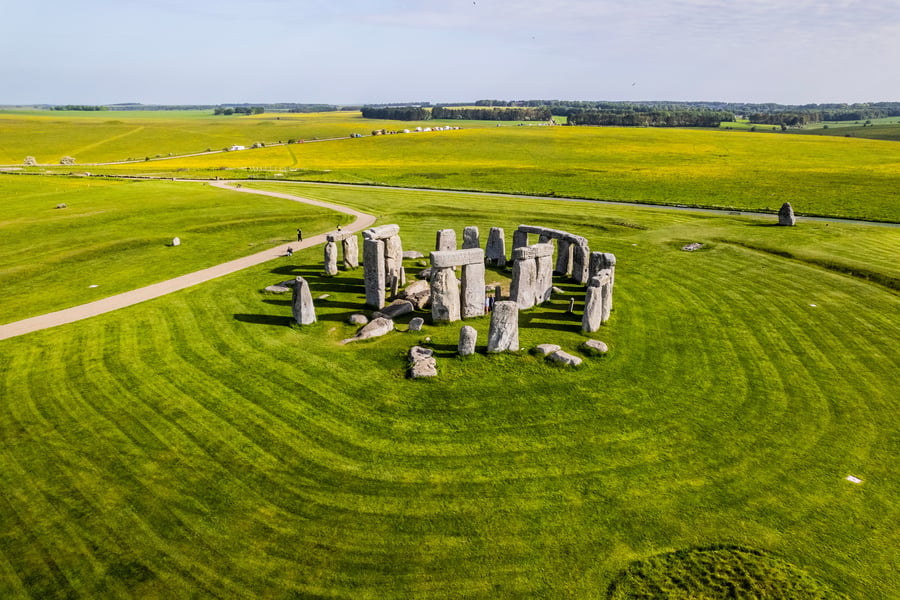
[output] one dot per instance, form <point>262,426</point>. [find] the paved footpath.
<point>84,311</point>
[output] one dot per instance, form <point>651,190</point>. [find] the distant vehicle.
<point>356,135</point>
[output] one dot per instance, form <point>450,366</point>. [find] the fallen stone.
<point>692,246</point>
<point>278,289</point>
<point>412,254</point>
<point>375,328</point>
<point>415,288</point>
<point>62,205</point>
<point>564,358</point>
<point>416,323</point>
<point>424,274</point>
<point>176,241</point>
<point>323,297</point>
<point>467,337</point>
<point>358,319</point>
<point>422,362</point>
<point>545,349</point>
<point>395,309</point>
<point>594,347</point>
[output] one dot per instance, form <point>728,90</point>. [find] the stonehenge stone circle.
<point>786,215</point>
<point>532,280</point>
<point>448,302</point>
<point>503,334</point>
<point>495,249</point>
<point>349,248</point>
<point>468,335</point>
<point>302,303</point>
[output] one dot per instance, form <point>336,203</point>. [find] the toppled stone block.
<point>422,362</point>
<point>594,347</point>
<point>277,289</point>
<point>375,328</point>
<point>358,319</point>
<point>395,309</point>
<point>545,349</point>
<point>412,254</point>
<point>564,358</point>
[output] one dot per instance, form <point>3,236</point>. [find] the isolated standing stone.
<point>416,323</point>
<point>495,249</point>
<point>471,239</point>
<point>444,296</point>
<point>467,338</point>
<point>786,215</point>
<point>504,330</point>
<point>373,275</point>
<point>350,247</point>
<point>331,258</point>
<point>445,240</point>
<point>176,241</point>
<point>302,303</point>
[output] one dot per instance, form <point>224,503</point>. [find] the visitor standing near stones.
<point>299,235</point>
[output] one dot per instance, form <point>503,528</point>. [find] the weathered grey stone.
<point>358,319</point>
<point>395,309</point>
<point>571,308</point>
<point>422,363</point>
<point>604,264</point>
<point>302,303</point>
<point>415,288</point>
<point>692,246</point>
<point>444,296</point>
<point>594,304</point>
<point>350,247</point>
<point>543,278</point>
<point>533,251</point>
<point>522,288</point>
<point>595,347</point>
<point>62,205</point>
<point>424,274</point>
<point>412,254</point>
<point>786,215</point>
<point>416,323</point>
<point>441,259</point>
<point>338,236</point>
<point>580,262</point>
<point>495,249</point>
<point>393,257</point>
<point>503,334</point>
<point>323,296</point>
<point>278,289</point>
<point>545,349</point>
<point>563,257</point>
<point>472,292</point>
<point>471,238</point>
<point>558,291</point>
<point>373,275</point>
<point>498,292</point>
<point>445,240</point>
<point>565,358</point>
<point>467,338</point>
<point>520,239</point>
<point>176,241</point>
<point>395,285</point>
<point>331,258</point>
<point>375,328</point>
<point>381,233</point>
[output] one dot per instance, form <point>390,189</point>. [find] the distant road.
<point>84,311</point>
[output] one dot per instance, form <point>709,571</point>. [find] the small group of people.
<point>488,303</point>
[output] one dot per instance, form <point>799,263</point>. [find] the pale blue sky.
<point>354,51</point>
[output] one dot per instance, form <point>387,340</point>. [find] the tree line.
<point>396,113</point>
<point>492,114</point>
<point>239,110</point>
<point>650,118</point>
<point>87,107</point>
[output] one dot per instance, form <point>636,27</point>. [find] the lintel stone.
<point>441,259</point>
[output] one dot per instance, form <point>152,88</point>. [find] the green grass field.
<point>198,445</point>
<point>115,235</point>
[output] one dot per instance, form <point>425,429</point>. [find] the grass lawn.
<point>827,176</point>
<point>115,235</point>
<point>198,445</point>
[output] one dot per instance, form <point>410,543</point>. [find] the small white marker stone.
<point>853,479</point>
<point>813,305</point>
<point>93,285</point>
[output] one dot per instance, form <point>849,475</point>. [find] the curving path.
<point>83,311</point>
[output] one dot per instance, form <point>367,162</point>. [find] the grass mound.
<point>717,572</point>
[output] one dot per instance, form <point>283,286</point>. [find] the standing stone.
<point>504,331</point>
<point>544,277</point>
<point>373,275</point>
<point>580,262</point>
<point>563,257</point>
<point>350,247</point>
<point>402,275</point>
<point>446,240</point>
<point>571,308</point>
<point>467,337</point>
<point>331,258</point>
<point>594,300</point>
<point>544,238</point>
<point>521,290</point>
<point>393,257</point>
<point>444,296</point>
<point>606,292</point>
<point>520,239</point>
<point>786,215</point>
<point>473,290</point>
<point>416,323</point>
<point>471,239</point>
<point>302,303</point>
<point>495,250</point>
<point>395,285</point>
<point>176,241</point>
<point>498,292</point>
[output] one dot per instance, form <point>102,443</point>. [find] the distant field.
<point>121,135</point>
<point>198,445</point>
<point>887,128</point>
<point>115,236</point>
<point>818,175</point>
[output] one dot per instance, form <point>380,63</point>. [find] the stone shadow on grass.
<point>274,320</point>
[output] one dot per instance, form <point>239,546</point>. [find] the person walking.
<point>299,236</point>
